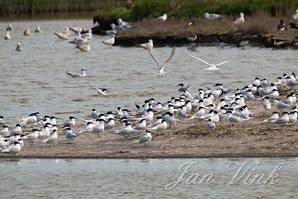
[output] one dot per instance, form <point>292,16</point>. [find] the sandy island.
<point>190,139</point>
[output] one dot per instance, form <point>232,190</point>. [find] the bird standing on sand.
<point>52,139</point>
<point>210,124</point>
<point>76,75</point>
<point>240,20</point>
<point>14,148</point>
<point>144,139</point>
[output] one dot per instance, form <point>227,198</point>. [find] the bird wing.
<point>171,56</point>
<point>201,60</point>
<point>221,63</point>
<point>155,60</point>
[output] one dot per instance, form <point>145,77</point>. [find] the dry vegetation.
<point>258,28</point>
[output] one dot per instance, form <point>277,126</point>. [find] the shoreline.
<point>174,31</point>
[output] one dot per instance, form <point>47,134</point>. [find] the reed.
<point>30,7</point>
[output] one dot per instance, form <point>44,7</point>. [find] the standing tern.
<point>144,139</point>
<point>160,67</point>
<point>211,66</point>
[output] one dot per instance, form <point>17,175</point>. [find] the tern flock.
<point>211,105</point>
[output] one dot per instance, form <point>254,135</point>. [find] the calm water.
<point>35,80</point>
<point>144,178</point>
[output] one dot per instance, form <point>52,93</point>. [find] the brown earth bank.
<point>260,29</point>
<point>189,139</point>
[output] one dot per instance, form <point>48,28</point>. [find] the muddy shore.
<point>259,30</point>
<point>190,139</point>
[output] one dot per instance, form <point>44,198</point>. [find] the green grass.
<point>187,8</point>
<point>18,7</point>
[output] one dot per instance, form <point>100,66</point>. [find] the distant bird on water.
<point>110,42</point>
<point>103,91</point>
<point>37,29</point>
<point>76,75</point>
<point>19,48</point>
<point>27,32</point>
<point>63,35</point>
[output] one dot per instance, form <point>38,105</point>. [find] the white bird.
<point>233,118</point>
<point>160,67</point>
<point>52,139</point>
<point>103,91</point>
<point>17,129</point>
<point>272,118</point>
<point>27,32</point>
<point>85,47</point>
<point>14,148</point>
<point>76,30</point>
<point>281,105</point>
<point>75,75</point>
<point>284,119</point>
<point>162,126</point>
<point>295,16</point>
<point>211,66</point>
<point>240,20</point>
<point>9,27</point>
<point>5,131</point>
<point>210,124</point>
<point>125,131</point>
<point>7,35</point>
<point>109,42</point>
<point>144,139</point>
<point>19,48</point>
<point>37,29</point>
<point>70,135</point>
<point>164,17</point>
<point>63,35</point>
<point>2,121</point>
<point>212,16</point>
<point>148,45</point>
<point>31,136</point>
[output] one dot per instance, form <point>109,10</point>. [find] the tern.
<point>164,17</point>
<point>19,48</point>
<point>103,91</point>
<point>76,75</point>
<point>27,32</point>
<point>9,27</point>
<point>76,30</point>
<point>144,139</point>
<point>284,119</point>
<point>52,139</point>
<point>147,46</point>
<point>63,35</point>
<point>210,124</point>
<point>160,67</point>
<point>84,47</point>
<point>37,29</point>
<point>14,148</point>
<point>2,121</point>
<point>5,131</point>
<point>7,36</point>
<point>162,126</point>
<point>212,16</point>
<point>32,136</point>
<point>272,118</point>
<point>240,20</point>
<point>70,135</point>
<point>109,42</point>
<point>211,67</point>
